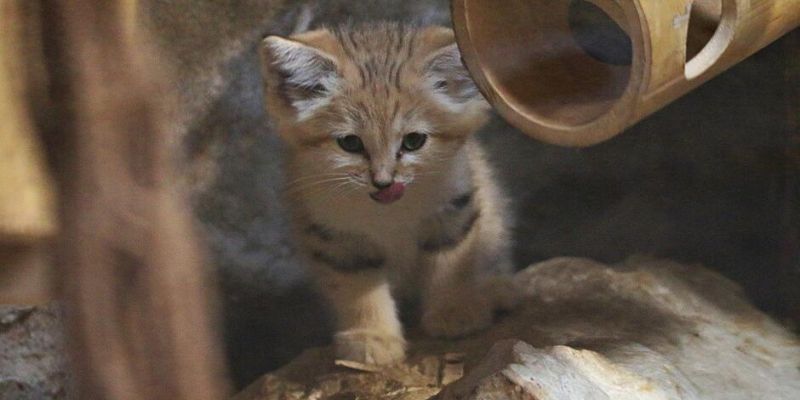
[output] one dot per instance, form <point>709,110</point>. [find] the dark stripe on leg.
<point>320,232</point>
<point>449,241</point>
<point>461,201</point>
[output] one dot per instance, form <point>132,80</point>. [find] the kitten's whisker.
<point>337,190</point>
<point>345,193</point>
<point>321,174</point>
<point>308,191</point>
<point>317,176</point>
<point>307,185</point>
<point>430,173</point>
<point>315,192</point>
<point>359,182</point>
<point>349,190</point>
<point>318,184</point>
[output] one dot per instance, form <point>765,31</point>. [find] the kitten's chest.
<point>400,243</point>
<point>395,230</point>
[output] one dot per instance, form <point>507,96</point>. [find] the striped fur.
<point>342,251</point>
<point>451,225</point>
<point>446,239</point>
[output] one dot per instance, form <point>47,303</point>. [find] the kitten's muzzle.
<point>389,194</point>
<point>380,185</point>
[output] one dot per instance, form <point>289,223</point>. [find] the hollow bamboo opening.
<point>560,64</point>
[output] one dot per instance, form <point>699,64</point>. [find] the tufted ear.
<point>448,78</point>
<point>298,74</point>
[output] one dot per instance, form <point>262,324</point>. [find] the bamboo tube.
<point>577,72</point>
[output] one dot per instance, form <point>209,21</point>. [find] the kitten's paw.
<point>369,347</point>
<point>458,318</point>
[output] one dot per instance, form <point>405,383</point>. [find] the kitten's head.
<point>378,106</point>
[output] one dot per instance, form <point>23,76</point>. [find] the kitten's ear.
<point>446,75</point>
<point>299,74</point>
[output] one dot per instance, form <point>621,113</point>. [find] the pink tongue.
<point>390,194</point>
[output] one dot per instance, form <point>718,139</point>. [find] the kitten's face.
<point>371,111</point>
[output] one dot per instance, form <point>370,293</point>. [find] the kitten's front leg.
<point>465,251</point>
<point>454,304</point>
<point>350,271</point>
<point>368,329</point>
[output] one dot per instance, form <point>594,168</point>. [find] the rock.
<point>314,375</point>
<point>32,361</point>
<point>641,330</point>
<point>515,369</point>
<point>12,389</point>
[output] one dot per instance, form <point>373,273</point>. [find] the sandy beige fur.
<point>446,240</point>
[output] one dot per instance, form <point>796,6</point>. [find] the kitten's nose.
<point>381,184</point>
<point>382,174</point>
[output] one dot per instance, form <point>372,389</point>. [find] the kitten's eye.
<point>414,141</point>
<point>351,143</point>
<point>318,89</point>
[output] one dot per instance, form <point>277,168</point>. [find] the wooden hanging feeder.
<point>577,72</point>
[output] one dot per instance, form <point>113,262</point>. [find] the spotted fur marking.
<point>451,225</point>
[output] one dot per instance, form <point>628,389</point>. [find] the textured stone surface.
<point>646,329</point>
<point>32,365</point>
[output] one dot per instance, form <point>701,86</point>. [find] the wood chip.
<point>453,368</point>
<point>454,357</point>
<point>452,372</point>
<point>357,366</point>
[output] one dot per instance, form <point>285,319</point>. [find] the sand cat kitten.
<point>390,195</point>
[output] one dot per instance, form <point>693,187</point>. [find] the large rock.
<point>645,329</point>
<point>32,360</point>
